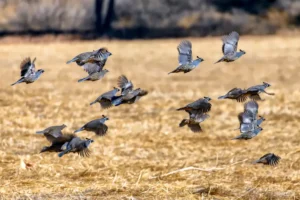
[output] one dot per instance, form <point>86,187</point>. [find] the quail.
<point>128,94</point>
<point>105,99</point>
<point>28,72</point>
<point>89,57</point>
<point>77,145</point>
<point>57,143</point>
<point>229,48</point>
<point>97,126</point>
<point>186,62</point>
<point>194,121</point>
<point>236,93</point>
<point>253,92</point>
<point>269,159</point>
<point>248,135</point>
<point>52,132</point>
<point>202,105</point>
<point>95,71</point>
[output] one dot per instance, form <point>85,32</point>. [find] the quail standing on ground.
<point>268,159</point>
<point>185,58</point>
<point>94,56</point>
<point>253,92</point>
<point>77,145</point>
<point>236,93</point>
<point>105,99</point>
<point>97,126</point>
<point>128,94</point>
<point>229,48</point>
<point>28,72</point>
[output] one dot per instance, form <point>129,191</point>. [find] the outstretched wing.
<point>230,43</point>
<point>101,131</point>
<point>185,52</point>
<point>195,127</point>
<point>94,67</point>
<point>125,84</point>
<point>27,67</point>
<point>245,117</point>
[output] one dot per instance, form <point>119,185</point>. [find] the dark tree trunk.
<point>98,12</point>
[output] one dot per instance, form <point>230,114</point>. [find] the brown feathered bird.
<point>269,159</point>
<point>89,57</point>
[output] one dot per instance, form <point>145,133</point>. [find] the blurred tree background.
<point>147,18</point>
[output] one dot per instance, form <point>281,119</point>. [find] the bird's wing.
<point>84,152</point>
<point>91,68</point>
<point>105,103</point>
<point>109,94</point>
<point>125,84</point>
<point>230,43</point>
<point>252,107</point>
<point>246,117</point>
<point>27,67</point>
<point>195,127</point>
<point>185,52</point>
<point>101,131</point>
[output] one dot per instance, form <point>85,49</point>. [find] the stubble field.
<point>144,142</point>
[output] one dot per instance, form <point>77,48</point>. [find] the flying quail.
<point>194,121</point>
<point>57,143</point>
<point>98,56</point>
<point>28,73</point>
<point>52,132</point>
<point>77,145</point>
<point>248,135</point>
<point>186,62</point>
<point>236,93</point>
<point>95,71</point>
<point>202,105</point>
<point>128,94</point>
<point>229,48</point>
<point>97,126</point>
<point>94,56</point>
<point>253,92</point>
<point>269,159</point>
<point>105,99</point>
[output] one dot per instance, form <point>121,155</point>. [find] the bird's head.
<point>143,92</point>
<point>41,71</point>
<point>105,70</point>
<point>200,59</point>
<point>117,89</point>
<point>243,52</point>
<point>104,51</point>
<point>63,126</point>
<point>262,118</point>
<point>106,118</point>
<point>266,84</point>
<point>87,142</point>
<point>207,98</point>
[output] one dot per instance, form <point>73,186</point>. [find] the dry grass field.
<point>144,142</point>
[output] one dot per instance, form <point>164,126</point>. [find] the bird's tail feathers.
<point>78,130</point>
<point>222,59</point>
<point>19,81</point>
<point>73,60</point>
<point>39,132</point>
<point>83,79</point>
<point>222,97</point>
<point>92,103</point>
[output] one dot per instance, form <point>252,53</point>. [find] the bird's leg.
<point>267,92</point>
